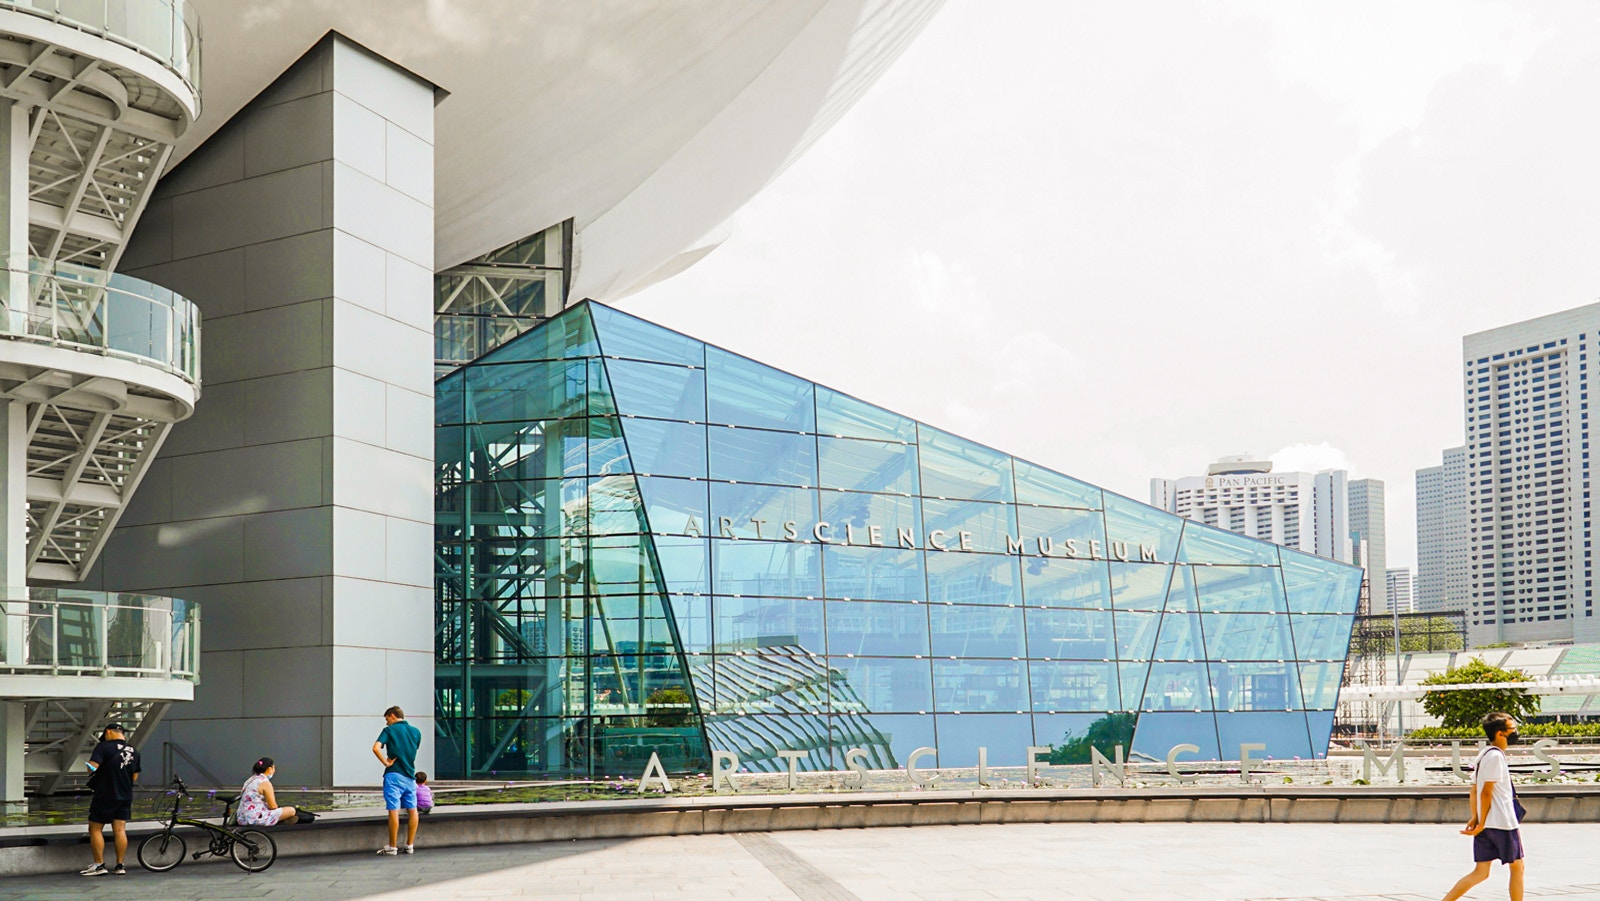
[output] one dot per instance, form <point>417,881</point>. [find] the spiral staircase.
<point>95,368</point>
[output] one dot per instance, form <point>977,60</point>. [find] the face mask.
<point>1513,737</point>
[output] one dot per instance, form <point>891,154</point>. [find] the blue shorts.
<point>1504,845</point>
<point>399,792</point>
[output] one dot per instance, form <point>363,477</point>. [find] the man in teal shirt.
<point>396,749</point>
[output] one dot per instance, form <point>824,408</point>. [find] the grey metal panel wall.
<point>297,504</point>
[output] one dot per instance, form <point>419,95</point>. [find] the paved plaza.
<point>1205,862</point>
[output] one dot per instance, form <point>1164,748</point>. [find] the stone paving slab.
<point>1092,862</point>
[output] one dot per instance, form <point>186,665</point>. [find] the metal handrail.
<point>105,312</point>
<point>71,632</point>
<point>167,31</point>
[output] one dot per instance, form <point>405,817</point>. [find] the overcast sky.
<point>1124,239</point>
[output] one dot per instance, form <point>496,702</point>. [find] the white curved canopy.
<point>648,124</point>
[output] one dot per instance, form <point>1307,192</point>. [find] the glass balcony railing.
<point>167,31</point>
<point>67,632</point>
<point>77,306</point>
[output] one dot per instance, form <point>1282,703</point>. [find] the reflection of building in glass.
<point>811,707</point>
<point>721,556</point>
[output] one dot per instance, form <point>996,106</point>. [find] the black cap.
<point>115,727</point>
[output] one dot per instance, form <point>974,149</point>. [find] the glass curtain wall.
<point>646,543</point>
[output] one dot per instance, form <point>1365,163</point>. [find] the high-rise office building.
<point>1368,538</point>
<point>1441,577</point>
<point>1302,510</point>
<point>1530,568</point>
<point>1397,591</point>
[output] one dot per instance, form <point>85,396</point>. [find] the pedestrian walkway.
<point>1081,862</point>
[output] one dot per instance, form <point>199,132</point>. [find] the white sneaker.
<point>94,869</point>
<point>408,849</point>
<point>388,849</point>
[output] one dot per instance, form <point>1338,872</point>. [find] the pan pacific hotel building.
<point>421,458</point>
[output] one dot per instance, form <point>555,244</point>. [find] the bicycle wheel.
<point>162,851</point>
<point>253,850</point>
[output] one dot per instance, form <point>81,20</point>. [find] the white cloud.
<point>1033,363</point>
<point>1309,458</point>
<point>1125,244</point>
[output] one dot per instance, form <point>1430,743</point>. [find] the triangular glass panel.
<point>1146,533</point>
<point>1320,636</point>
<point>1203,544</point>
<point>1136,634</point>
<point>1177,686</point>
<point>960,469</point>
<point>632,338</point>
<point>1139,586</point>
<point>658,390</point>
<point>1181,592</point>
<point>1317,585</point>
<point>569,335</point>
<point>1283,733</point>
<point>855,464</point>
<point>1247,636</point>
<point>1037,485</point>
<point>601,401</point>
<point>1319,684</point>
<point>1320,724</point>
<point>520,393</point>
<point>1240,589</point>
<point>742,392</point>
<point>841,415</point>
<point>1180,638</point>
<point>1051,531</point>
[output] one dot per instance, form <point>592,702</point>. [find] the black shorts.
<point>109,811</point>
<point>1504,845</point>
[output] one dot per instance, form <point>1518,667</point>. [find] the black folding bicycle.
<point>252,849</point>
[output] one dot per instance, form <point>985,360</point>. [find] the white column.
<point>14,500</point>
<point>13,576</point>
<point>12,723</point>
<point>14,150</point>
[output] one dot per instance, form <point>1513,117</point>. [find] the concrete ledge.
<point>61,849</point>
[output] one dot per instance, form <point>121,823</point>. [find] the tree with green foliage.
<point>513,698</point>
<point>669,707</point>
<point>1466,709</point>
<point>1103,734</point>
<point>1421,634</point>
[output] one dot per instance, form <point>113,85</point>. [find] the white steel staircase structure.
<point>95,367</point>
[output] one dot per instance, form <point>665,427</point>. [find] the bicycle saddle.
<point>228,799</point>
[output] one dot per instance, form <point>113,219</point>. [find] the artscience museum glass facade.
<point>646,544</point>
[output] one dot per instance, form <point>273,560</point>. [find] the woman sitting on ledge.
<point>258,805</point>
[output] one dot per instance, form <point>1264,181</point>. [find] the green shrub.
<point>1466,709</point>
<point>1532,730</point>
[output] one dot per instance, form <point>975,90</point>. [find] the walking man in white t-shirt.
<point>1493,826</point>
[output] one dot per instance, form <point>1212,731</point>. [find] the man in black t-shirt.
<point>114,766</point>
